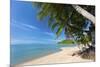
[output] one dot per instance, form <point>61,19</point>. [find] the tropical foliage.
<point>77,21</point>
<point>66,42</point>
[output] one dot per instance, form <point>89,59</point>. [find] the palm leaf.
<point>54,26</point>
<point>59,31</point>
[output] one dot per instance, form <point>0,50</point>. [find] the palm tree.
<point>84,13</point>
<point>69,18</point>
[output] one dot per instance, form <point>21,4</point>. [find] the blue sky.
<point>27,28</point>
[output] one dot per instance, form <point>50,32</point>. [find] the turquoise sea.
<point>24,52</point>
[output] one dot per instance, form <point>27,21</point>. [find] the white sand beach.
<point>63,56</point>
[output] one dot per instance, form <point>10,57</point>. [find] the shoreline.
<point>63,56</point>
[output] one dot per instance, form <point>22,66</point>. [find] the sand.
<point>63,56</point>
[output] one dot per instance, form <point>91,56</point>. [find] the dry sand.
<point>63,56</point>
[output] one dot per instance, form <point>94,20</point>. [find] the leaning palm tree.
<point>69,18</point>
<point>84,13</point>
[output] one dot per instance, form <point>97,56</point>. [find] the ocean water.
<point>23,52</point>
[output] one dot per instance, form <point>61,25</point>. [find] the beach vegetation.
<point>76,21</point>
<point>66,42</point>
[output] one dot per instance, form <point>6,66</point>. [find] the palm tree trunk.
<point>84,13</point>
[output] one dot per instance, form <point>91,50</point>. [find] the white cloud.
<point>53,40</point>
<point>34,40</point>
<point>30,26</point>
<point>57,40</point>
<point>50,34</point>
<point>29,41</point>
<point>23,26</point>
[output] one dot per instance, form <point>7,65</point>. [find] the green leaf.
<point>54,26</point>
<point>40,15</point>
<point>50,21</point>
<point>59,31</point>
